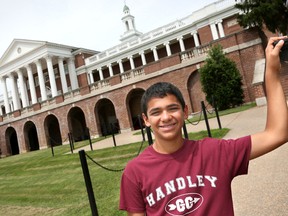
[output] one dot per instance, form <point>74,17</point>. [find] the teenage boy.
<point>175,176</point>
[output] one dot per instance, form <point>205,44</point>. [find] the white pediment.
<point>19,48</point>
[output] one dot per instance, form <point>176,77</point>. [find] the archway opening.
<point>107,117</point>
<point>195,91</point>
<point>31,136</point>
<point>134,106</point>
<point>77,124</point>
<point>12,141</point>
<point>52,131</point>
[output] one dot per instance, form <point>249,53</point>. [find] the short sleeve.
<point>131,199</point>
<point>238,155</point>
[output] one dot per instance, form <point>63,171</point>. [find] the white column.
<point>51,76</point>
<point>41,80</point>
<point>168,50</point>
<point>5,94</point>
<point>220,28</point>
<point>214,31</point>
<point>72,74</point>
<point>110,70</point>
<point>130,24</point>
<point>196,39</point>
<point>181,42</point>
<point>120,66</point>
<point>143,57</point>
<point>15,94</point>
<point>22,88</point>
<point>125,26</point>
<point>154,49</point>
<point>132,63</point>
<point>91,78</point>
<point>101,73</point>
<point>22,93</point>
<point>31,84</point>
<point>62,75</point>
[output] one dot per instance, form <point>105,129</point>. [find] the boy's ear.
<point>145,118</point>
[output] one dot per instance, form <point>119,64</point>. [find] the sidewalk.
<point>264,191</point>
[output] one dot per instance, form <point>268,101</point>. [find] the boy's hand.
<point>272,53</point>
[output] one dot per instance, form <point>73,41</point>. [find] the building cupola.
<point>130,31</point>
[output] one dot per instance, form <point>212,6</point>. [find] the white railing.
<point>166,29</point>
<point>198,51</point>
<point>132,74</point>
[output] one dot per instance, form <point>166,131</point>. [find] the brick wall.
<point>185,77</point>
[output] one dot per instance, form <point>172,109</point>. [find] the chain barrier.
<point>109,169</point>
<point>193,123</point>
<point>211,112</point>
<point>54,141</point>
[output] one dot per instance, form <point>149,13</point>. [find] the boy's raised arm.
<point>276,130</point>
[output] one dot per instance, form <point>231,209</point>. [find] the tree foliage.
<point>221,80</point>
<point>271,13</point>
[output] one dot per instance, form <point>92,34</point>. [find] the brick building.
<point>57,89</point>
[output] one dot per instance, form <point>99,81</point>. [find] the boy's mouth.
<point>167,126</point>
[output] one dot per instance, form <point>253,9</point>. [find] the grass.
<point>37,183</point>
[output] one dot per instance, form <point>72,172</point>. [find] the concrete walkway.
<point>264,191</point>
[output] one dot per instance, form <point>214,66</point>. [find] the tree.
<point>221,80</point>
<point>270,13</point>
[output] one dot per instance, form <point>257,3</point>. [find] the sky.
<point>90,24</point>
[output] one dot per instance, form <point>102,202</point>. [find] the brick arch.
<point>196,95</point>
<point>52,130</point>
<point>31,136</point>
<point>133,105</point>
<point>12,141</point>
<point>106,117</point>
<point>77,123</point>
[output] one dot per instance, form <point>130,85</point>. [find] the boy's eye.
<point>154,113</point>
<point>174,108</point>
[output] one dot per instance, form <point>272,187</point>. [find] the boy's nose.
<point>165,116</point>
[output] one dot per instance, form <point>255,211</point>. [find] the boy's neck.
<point>166,147</point>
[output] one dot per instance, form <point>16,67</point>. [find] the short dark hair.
<point>160,90</point>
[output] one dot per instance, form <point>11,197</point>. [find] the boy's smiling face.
<point>166,117</point>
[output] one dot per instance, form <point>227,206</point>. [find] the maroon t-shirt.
<point>195,180</point>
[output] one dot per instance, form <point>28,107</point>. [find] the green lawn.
<point>36,183</point>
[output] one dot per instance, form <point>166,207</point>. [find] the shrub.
<point>221,80</point>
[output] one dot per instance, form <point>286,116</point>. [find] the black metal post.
<point>141,126</point>
<point>89,137</point>
<point>52,147</point>
<point>113,136</point>
<point>206,119</point>
<point>149,136</point>
<point>217,114</point>
<point>88,183</point>
<point>70,142</point>
<point>185,130</point>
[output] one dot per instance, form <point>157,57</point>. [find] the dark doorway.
<point>134,102</point>
<point>77,124</point>
<point>31,136</point>
<point>107,117</point>
<point>12,141</point>
<point>52,131</point>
